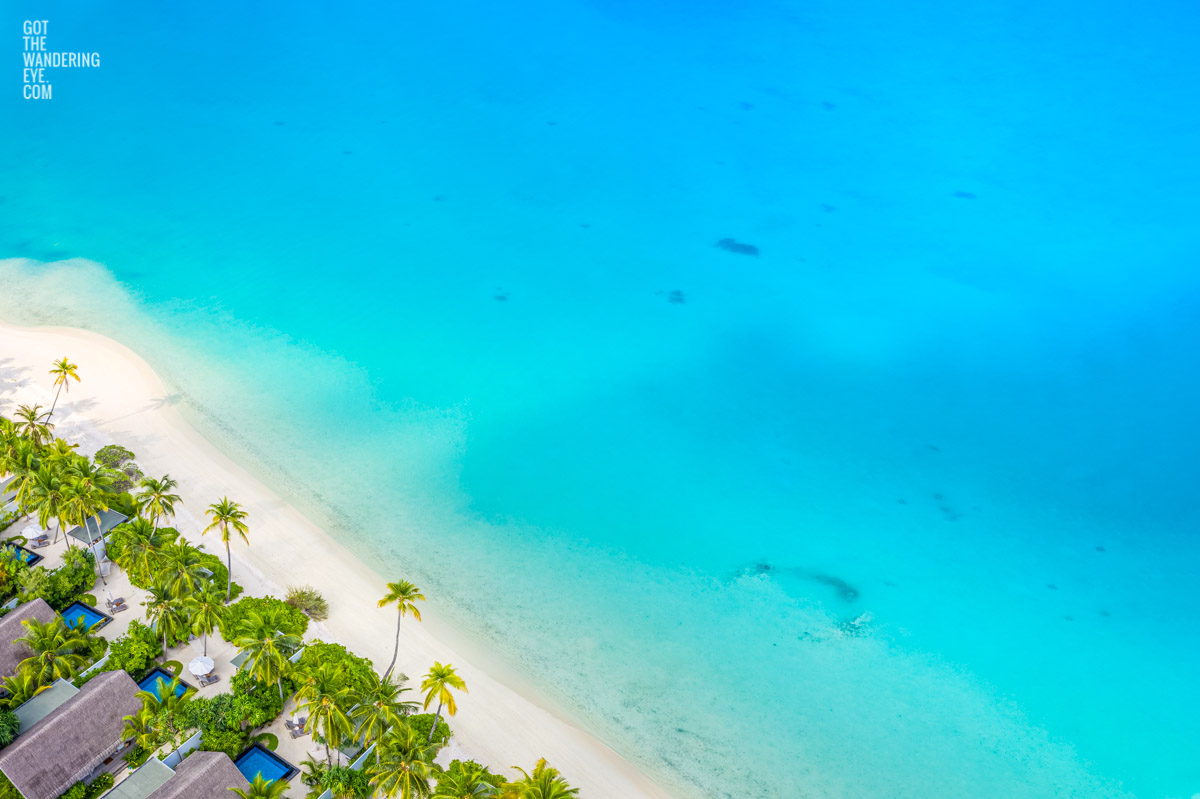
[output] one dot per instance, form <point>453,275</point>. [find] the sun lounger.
<point>297,733</point>
<point>209,679</point>
<point>39,542</point>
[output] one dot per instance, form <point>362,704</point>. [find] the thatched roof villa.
<point>76,739</point>
<point>11,629</point>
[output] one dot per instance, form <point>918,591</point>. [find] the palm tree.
<point>467,782</point>
<point>404,596</point>
<point>261,636</point>
<point>165,612</point>
<point>22,461</point>
<point>139,548</point>
<point>47,497</point>
<point>206,610</point>
<point>165,696</point>
<point>60,453</point>
<point>437,685</point>
<point>21,687</point>
<point>141,728</point>
<point>63,372</point>
<point>543,783</point>
<point>262,789</point>
<point>227,515</point>
<point>181,569</point>
<point>378,707</point>
<point>312,772</point>
<point>406,764</point>
<point>55,648</point>
<point>29,423</point>
<point>155,499</point>
<point>90,488</point>
<point>324,694</point>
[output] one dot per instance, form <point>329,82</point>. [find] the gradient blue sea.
<point>902,506</point>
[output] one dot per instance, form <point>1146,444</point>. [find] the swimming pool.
<point>150,682</point>
<point>260,760</point>
<point>26,555</point>
<point>79,612</point>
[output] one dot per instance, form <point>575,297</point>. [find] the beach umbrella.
<point>200,666</point>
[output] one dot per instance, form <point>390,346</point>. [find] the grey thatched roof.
<point>108,520</point>
<point>78,736</point>
<point>203,775</point>
<point>11,629</point>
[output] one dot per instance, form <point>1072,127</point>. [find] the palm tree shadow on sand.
<point>156,404</point>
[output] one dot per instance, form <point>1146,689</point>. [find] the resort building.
<point>11,628</point>
<point>202,775</point>
<point>76,741</point>
<point>46,702</point>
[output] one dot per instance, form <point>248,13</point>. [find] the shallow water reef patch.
<point>734,246</point>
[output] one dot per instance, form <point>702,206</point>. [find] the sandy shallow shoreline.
<point>122,400</point>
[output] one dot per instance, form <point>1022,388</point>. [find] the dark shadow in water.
<point>845,591</point>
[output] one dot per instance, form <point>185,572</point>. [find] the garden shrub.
<point>12,565</point>
<point>76,791</point>
<point>347,782</point>
<point>134,651</point>
<point>231,742</point>
<point>255,702</point>
<point>309,600</point>
<point>62,586</point>
<point>217,713</point>
<point>137,756</point>
<point>357,670</point>
<point>119,461</point>
<point>9,724</point>
<point>293,620</point>
<point>99,785</point>
<point>423,721</point>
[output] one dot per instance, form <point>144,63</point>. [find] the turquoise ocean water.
<point>901,506</point>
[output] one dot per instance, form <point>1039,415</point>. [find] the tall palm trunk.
<point>54,404</point>
<point>205,643</point>
<point>395,649</point>
<point>92,544</point>
<point>436,717</point>
<point>228,573</point>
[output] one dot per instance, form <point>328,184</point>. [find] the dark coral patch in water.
<point>845,591</point>
<point>730,245</point>
<point>676,297</point>
<point>964,195</point>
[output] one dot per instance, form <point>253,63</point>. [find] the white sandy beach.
<point>121,400</point>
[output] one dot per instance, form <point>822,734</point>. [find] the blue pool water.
<point>79,613</point>
<point>259,760</point>
<point>26,555</point>
<point>901,506</point>
<point>150,683</point>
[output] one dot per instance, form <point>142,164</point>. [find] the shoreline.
<point>123,400</point>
